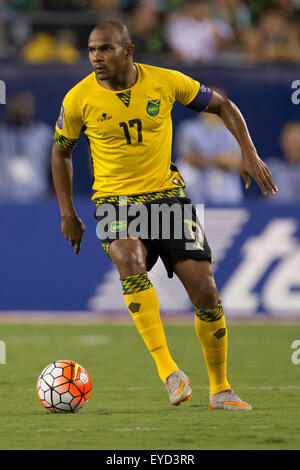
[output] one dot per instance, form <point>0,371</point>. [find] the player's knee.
<point>207,296</point>
<point>132,264</point>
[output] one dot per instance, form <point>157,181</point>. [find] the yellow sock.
<point>212,333</point>
<point>142,302</point>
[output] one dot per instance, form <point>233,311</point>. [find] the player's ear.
<point>129,50</point>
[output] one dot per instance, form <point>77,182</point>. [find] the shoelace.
<point>169,381</point>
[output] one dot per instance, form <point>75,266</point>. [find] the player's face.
<point>107,55</point>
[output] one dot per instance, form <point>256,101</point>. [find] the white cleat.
<point>178,386</point>
<point>228,400</point>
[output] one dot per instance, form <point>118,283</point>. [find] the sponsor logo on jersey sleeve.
<point>60,120</point>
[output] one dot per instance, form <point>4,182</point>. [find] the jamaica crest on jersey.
<point>153,107</point>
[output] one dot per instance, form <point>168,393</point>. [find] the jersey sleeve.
<point>69,122</point>
<point>185,88</point>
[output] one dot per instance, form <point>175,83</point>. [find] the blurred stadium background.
<point>248,48</point>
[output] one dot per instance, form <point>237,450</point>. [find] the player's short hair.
<point>123,34</point>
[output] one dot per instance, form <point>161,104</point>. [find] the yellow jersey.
<point>129,131</point>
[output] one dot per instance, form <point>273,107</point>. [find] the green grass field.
<point>129,407</point>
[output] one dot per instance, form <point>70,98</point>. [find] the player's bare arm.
<point>62,172</point>
<point>251,164</point>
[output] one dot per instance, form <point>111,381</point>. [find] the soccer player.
<point>124,109</point>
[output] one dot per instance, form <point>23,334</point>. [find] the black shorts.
<point>170,230</point>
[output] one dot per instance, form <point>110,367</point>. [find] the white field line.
<point>136,428</point>
<point>141,428</point>
<point>203,387</point>
<point>61,430</point>
<point>85,340</point>
<point>197,387</point>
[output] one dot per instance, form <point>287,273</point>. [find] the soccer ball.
<point>64,387</point>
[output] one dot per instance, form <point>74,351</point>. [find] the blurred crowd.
<point>208,158</point>
<point>189,31</point>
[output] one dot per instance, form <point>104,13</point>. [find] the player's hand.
<point>73,229</point>
<point>253,166</point>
